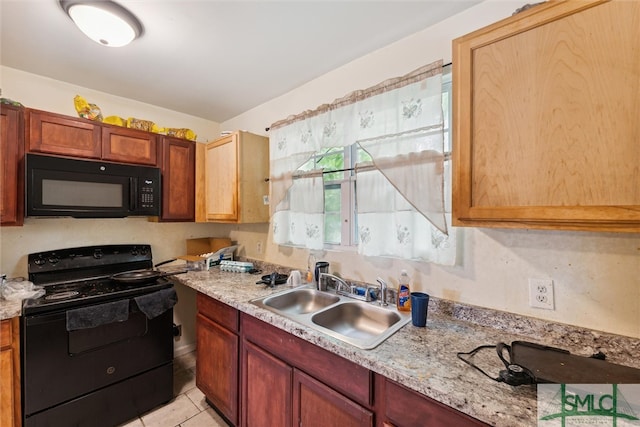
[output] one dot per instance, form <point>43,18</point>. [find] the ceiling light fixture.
<point>104,21</point>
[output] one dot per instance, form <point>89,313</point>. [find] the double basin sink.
<point>362,324</point>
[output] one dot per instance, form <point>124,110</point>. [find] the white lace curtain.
<point>400,201</point>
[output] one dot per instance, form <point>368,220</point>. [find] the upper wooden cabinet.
<point>74,136</point>
<point>236,170</point>
<point>59,134</point>
<point>129,145</point>
<point>546,129</point>
<point>11,165</point>
<point>178,165</point>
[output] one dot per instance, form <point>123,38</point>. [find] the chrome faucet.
<point>383,292</point>
<point>342,287</point>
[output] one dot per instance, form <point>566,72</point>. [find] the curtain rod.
<point>447,157</point>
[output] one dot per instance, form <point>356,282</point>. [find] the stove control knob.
<point>54,259</point>
<point>97,254</point>
<point>134,251</point>
<point>143,250</point>
<point>40,260</point>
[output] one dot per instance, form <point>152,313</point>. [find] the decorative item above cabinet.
<point>546,130</point>
<point>232,180</point>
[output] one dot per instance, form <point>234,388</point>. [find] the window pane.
<point>332,207</point>
<point>332,161</point>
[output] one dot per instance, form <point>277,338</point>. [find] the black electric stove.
<point>90,343</point>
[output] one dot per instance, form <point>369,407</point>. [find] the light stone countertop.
<point>10,308</point>
<point>424,359</point>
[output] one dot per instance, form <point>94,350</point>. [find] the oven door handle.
<point>40,319</point>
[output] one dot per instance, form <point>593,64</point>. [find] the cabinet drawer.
<point>404,407</point>
<point>58,134</point>
<point>217,311</point>
<point>5,333</point>
<point>344,376</point>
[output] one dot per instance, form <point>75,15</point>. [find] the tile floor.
<point>188,408</point>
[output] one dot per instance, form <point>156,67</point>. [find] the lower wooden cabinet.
<point>10,373</point>
<point>317,405</point>
<point>267,389</point>
<point>289,382</point>
<point>217,355</point>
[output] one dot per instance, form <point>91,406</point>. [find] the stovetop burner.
<point>61,295</point>
<point>75,277</point>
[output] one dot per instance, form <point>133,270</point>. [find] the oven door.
<point>59,366</point>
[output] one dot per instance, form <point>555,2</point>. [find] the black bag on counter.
<point>531,363</point>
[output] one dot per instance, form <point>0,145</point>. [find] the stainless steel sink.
<point>364,325</point>
<point>301,301</point>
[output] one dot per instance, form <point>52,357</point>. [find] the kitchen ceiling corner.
<point>211,59</point>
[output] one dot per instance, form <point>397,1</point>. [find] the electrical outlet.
<point>541,293</point>
<point>259,247</point>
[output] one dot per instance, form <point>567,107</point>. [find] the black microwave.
<point>60,186</point>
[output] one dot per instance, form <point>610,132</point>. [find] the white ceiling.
<point>208,58</point>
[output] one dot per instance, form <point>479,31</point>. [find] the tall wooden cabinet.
<point>236,172</point>
<point>11,165</point>
<point>178,166</point>
<point>545,113</point>
<point>10,373</point>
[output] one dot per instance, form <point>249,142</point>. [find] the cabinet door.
<point>235,182</point>
<point>178,180</point>
<point>57,134</point>
<point>221,158</point>
<point>11,172</point>
<point>9,373</point>
<point>316,405</point>
<point>129,145</point>
<point>545,119</point>
<point>6,388</point>
<point>217,366</point>
<point>267,382</point>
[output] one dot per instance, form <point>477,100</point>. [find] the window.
<point>367,171</point>
<point>340,219</point>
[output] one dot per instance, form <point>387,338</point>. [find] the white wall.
<point>46,94</point>
<point>596,275</point>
